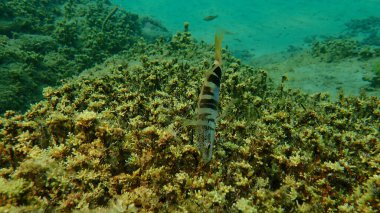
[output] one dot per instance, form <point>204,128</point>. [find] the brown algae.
<point>107,142</point>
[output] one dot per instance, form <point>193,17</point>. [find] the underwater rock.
<point>333,50</point>
<point>152,29</point>
<point>44,42</point>
<point>366,25</point>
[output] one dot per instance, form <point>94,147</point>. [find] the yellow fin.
<point>218,46</point>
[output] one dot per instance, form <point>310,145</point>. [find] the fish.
<point>108,17</point>
<point>210,18</point>
<point>206,111</point>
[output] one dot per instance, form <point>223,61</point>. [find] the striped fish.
<point>206,112</point>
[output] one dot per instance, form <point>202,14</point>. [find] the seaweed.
<point>45,42</point>
<point>105,142</point>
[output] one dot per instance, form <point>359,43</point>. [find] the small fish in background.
<point>206,112</point>
<point>210,18</point>
<point>108,17</point>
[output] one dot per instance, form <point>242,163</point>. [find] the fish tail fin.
<point>218,46</point>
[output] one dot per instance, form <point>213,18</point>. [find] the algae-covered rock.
<point>367,25</point>
<point>337,49</point>
<point>43,42</point>
<point>115,139</point>
<point>359,40</point>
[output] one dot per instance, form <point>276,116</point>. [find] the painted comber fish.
<point>206,112</point>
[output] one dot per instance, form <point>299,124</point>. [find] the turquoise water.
<point>270,34</point>
<point>119,124</point>
<point>43,42</point>
<point>261,26</point>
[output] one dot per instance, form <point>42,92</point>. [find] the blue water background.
<point>260,26</point>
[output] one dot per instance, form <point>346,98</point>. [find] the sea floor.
<point>263,29</point>
<point>117,138</point>
<point>350,76</point>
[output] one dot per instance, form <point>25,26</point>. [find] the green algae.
<point>44,42</point>
<point>106,142</point>
<point>335,49</point>
<point>375,81</point>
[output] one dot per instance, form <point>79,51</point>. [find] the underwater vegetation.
<point>339,49</point>
<point>335,49</point>
<point>375,82</point>
<point>345,61</point>
<point>105,141</point>
<point>367,27</point>
<point>43,42</point>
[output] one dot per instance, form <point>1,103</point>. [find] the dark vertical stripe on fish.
<point>209,101</point>
<point>207,91</point>
<point>218,71</point>
<point>211,106</point>
<point>214,79</point>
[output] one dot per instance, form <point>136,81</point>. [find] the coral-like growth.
<point>375,81</point>
<point>337,49</point>
<point>108,142</point>
<point>43,42</point>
